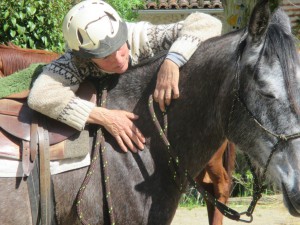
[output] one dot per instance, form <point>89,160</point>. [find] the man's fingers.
<point>175,91</point>
<point>121,143</point>
<point>155,95</point>
<point>136,137</point>
<point>168,97</point>
<point>133,129</point>
<point>161,100</point>
<point>128,142</point>
<point>131,115</point>
<point>139,134</point>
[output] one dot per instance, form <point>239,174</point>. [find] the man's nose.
<point>117,56</point>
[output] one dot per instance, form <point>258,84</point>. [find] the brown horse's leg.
<point>220,179</point>
<point>204,181</point>
<point>216,181</point>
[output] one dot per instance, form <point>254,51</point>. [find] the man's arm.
<point>196,28</point>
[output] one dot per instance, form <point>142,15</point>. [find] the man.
<point>99,42</point>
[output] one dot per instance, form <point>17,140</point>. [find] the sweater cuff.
<point>178,59</point>
<point>76,113</point>
<point>185,46</point>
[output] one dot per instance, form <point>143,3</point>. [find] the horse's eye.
<point>266,94</point>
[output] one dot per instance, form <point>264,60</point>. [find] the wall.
<point>230,17</point>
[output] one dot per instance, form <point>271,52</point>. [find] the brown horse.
<point>215,178</point>
<point>14,58</point>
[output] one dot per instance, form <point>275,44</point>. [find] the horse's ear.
<point>259,20</point>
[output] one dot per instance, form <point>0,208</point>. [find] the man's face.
<point>116,62</point>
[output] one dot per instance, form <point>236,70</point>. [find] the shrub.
<point>125,8</point>
<point>33,24</point>
<point>37,23</point>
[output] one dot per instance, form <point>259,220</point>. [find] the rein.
<point>226,211</point>
<point>99,150</point>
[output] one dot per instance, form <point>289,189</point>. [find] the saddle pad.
<point>13,168</point>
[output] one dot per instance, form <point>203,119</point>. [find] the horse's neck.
<point>207,83</point>
<point>213,79</point>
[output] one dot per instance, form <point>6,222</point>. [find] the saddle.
<point>20,125</point>
<point>26,134</point>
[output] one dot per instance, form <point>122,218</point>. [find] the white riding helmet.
<point>93,29</point>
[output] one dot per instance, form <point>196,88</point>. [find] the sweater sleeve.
<point>196,28</point>
<point>53,94</point>
<point>180,39</point>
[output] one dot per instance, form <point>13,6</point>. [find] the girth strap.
<point>34,193</point>
<point>45,177</point>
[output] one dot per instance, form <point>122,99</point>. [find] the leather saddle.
<point>20,126</point>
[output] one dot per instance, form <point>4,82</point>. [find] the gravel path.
<point>269,211</point>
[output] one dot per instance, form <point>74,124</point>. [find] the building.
<point>168,11</point>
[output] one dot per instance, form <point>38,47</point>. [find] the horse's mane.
<point>14,58</point>
<point>280,42</point>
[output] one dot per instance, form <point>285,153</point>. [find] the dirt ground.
<point>269,211</point>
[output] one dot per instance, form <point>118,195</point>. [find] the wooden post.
<point>237,12</point>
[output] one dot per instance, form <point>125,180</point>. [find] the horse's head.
<point>268,97</point>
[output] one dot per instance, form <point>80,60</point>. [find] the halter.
<point>281,138</point>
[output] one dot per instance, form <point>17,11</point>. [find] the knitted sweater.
<point>53,92</point>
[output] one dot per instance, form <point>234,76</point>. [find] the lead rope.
<point>226,211</point>
<point>105,164</point>
<point>99,147</point>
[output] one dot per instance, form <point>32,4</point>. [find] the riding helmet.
<point>93,29</point>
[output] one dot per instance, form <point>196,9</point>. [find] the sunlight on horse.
<point>242,86</point>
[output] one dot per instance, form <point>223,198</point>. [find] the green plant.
<point>37,23</point>
<point>192,198</point>
<point>33,24</point>
<point>125,8</point>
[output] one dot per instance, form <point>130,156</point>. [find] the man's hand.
<point>167,84</point>
<point>119,124</point>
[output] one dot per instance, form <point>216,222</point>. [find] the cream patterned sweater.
<point>53,92</point>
